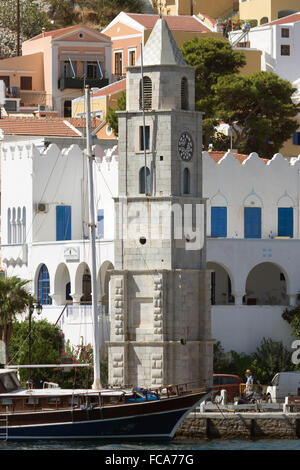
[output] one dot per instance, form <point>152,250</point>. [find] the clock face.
<point>185,147</point>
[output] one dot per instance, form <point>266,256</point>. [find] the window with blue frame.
<point>100,223</point>
<point>219,221</point>
<point>43,286</point>
<point>147,138</point>
<point>68,69</point>
<point>296,138</point>
<point>252,222</point>
<point>93,69</point>
<point>63,223</point>
<point>145,180</point>
<point>285,222</point>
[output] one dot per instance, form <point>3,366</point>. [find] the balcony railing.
<point>28,98</point>
<point>35,98</point>
<point>79,82</point>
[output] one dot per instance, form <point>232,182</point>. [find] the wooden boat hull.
<point>158,419</point>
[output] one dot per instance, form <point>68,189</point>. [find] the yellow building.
<point>253,60</point>
<point>264,11</point>
<point>215,8</point>
<point>101,100</point>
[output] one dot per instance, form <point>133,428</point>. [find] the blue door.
<point>252,222</point>
<point>219,221</point>
<point>285,222</point>
<point>63,222</point>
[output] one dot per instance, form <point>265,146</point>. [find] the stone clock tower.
<point>160,289</point>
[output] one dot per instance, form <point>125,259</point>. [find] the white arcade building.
<point>253,229</point>
<point>45,232</point>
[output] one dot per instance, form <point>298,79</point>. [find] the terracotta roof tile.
<point>179,23</point>
<point>56,33</point>
<point>36,126</point>
<point>112,88</point>
<point>217,156</point>
<point>76,122</point>
<point>286,19</point>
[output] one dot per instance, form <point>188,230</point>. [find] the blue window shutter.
<point>100,224</point>
<point>285,222</point>
<point>63,223</point>
<point>252,222</point>
<point>219,221</point>
<point>295,139</point>
<point>62,69</point>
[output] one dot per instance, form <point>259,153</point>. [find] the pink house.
<point>129,30</point>
<point>54,67</point>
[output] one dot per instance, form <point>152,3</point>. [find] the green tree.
<point>212,58</point>
<point>112,116</point>
<point>292,316</point>
<point>221,359</point>
<point>62,13</point>
<point>14,299</point>
<point>259,109</point>
<point>269,358</point>
<point>47,348</point>
<point>32,17</point>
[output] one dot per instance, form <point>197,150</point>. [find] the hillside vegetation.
<point>54,14</point>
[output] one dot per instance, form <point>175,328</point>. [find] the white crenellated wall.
<point>31,174</point>
<point>256,183</point>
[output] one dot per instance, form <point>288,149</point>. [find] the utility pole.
<point>18,27</point>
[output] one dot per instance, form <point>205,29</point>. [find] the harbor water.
<point>174,446</point>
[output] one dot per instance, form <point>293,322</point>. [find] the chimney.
<point>43,31</point>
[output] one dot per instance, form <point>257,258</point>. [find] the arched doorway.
<point>103,283</point>
<point>221,285</point>
<point>62,285</point>
<point>264,20</point>
<point>86,287</point>
<point>68,108</point>
<point>266,285</point>
<point>83,284</point>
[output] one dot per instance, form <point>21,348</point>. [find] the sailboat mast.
<point>144,127</point>
<point>97,383</point>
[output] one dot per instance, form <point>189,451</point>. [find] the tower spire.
<point>161,48</point>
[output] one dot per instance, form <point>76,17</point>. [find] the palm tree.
<point>14,299</point>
